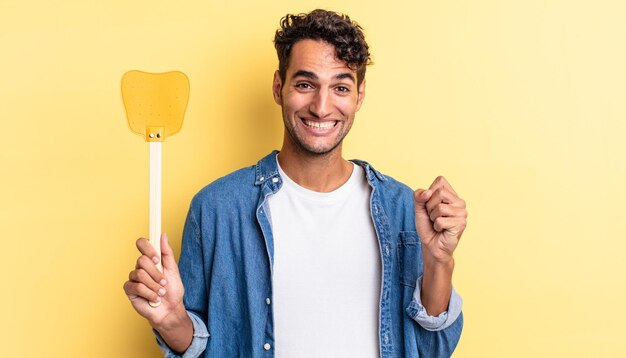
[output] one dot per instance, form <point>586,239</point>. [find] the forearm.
<point>436,285</point>
<point>176,331</point>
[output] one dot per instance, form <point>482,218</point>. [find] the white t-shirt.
<point>326,280</point>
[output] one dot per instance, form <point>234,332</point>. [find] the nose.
<point>321,104</point>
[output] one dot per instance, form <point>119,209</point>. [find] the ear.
<point>360,95</point>
<point>277,86</point>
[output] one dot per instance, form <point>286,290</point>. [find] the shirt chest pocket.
<point>410,263</point>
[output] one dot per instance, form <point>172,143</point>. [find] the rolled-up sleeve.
<point>198,343</point>
<point>434,323</point>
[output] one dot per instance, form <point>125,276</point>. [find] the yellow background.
<point>520,104</point>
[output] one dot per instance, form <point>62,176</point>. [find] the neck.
<point>318,172</point>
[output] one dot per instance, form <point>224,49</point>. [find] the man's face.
<point>319,98</point>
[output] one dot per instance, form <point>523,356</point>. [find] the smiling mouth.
<point>319,125</point>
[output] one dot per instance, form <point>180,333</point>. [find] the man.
<point>306,254</point>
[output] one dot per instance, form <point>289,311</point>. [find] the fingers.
<point>454,225</point>
<point>421,196</point>
<point>167,254</point>
<point>446,210</point>
<point>149,266</point>
<point>146,280</point>
<point>441,182</point>
<point>140,276</point>
<point>441,205</point>
<point>146,248</point>
<point>446,196</point>
<point>137,289</point>
<point>440,191</point>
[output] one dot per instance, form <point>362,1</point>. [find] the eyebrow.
<point>313,76</point>
<point>347,75</point>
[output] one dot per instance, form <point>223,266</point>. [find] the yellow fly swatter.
<point>155,107</point>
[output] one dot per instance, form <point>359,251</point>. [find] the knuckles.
<point>438,210</point>
<point>129,287</point>
<point>138,275</point>
<point>144,262</point>
<point>438,223</point>
<point>441,192</point>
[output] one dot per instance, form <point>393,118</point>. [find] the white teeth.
<point>320,125</point>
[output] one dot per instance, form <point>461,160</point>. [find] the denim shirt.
<point>227,259</point>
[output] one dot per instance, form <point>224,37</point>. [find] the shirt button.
<point>275,180</point>
<point>267,346</point>
<point>267,300</point>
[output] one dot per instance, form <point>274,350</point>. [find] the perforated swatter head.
<point>155,102</point>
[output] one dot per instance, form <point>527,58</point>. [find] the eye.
<point>342,89</point>
<point>303,85</point>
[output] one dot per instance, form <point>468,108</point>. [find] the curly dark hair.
<point>336,29</point>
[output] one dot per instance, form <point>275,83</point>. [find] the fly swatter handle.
<point>155,203</point>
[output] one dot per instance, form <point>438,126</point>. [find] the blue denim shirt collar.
<point>266,169</point>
